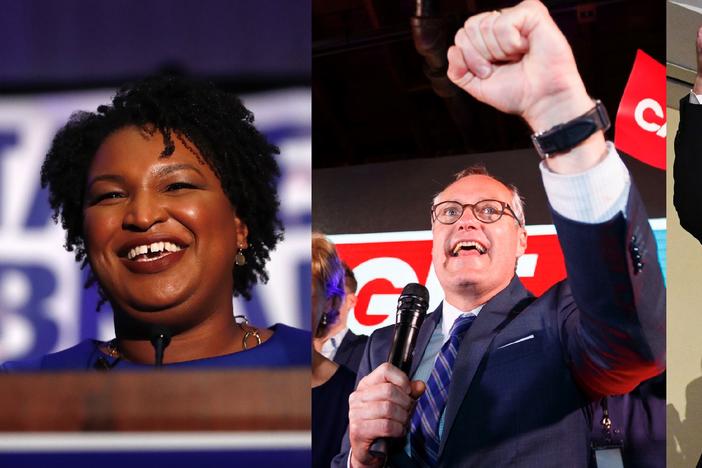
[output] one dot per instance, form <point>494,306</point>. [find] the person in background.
<point>339,343</point>
<point>331,382</point>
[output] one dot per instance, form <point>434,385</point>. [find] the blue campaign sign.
<point>8,139</point>
<point>40,282</point>
<point>43,305</point>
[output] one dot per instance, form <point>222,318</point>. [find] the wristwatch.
<point>566,136</point>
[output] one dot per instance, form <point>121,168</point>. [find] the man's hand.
<point>697,88</point>
<point>518,61</point>
<point>380,407</point>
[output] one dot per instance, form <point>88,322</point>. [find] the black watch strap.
<point>567,136</point>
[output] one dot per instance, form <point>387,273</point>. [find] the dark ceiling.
<point>375,98</point>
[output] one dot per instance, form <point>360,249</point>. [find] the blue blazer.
<point>528,367</point>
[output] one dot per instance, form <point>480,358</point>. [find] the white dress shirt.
<point>331,346</point>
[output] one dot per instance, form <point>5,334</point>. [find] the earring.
<point>239,258</point>
<point>325,320</point>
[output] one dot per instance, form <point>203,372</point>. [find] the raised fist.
<point>518,61</point>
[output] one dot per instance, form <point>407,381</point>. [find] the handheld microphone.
<point>160,339</point>
<point>411,309</point>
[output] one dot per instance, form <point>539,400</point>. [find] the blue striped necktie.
<point>424,429</point>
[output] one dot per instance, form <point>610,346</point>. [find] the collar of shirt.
<point>330,346</point>
<point>449,314</point>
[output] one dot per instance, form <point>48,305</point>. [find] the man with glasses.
<point>500,378</point>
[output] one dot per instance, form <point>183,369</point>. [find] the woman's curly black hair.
<point>221,129</point>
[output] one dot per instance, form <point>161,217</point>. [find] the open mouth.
<point>468,246</point>
<point>152,252</point>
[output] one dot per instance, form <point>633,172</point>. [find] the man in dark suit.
<point>687,195</point>
<point>521,371</point>
<point>340,344</point>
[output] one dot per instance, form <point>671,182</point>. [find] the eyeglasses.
<point>485,211</point>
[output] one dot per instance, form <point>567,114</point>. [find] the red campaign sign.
<point>640,128</point>
<point>388,260</point>
<point>384,267</point>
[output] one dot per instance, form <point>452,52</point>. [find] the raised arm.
<point>613,315</point>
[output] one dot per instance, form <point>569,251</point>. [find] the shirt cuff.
<point>695,98</point>
<point>593,196</point>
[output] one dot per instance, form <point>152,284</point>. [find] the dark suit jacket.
<point>687,193</point>
<point>350,350</point>
<point>600,332</point>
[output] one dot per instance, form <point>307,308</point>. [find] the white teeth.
<point>152,248</point>
<point>468,245</point>
<point>170,247</point>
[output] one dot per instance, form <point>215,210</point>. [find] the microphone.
<point>160,339</point>
<point>411,309</point>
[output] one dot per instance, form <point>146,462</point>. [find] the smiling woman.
<point>168,196</point>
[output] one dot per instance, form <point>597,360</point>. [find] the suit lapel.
<point>491,319</point>
<point>430,323</point>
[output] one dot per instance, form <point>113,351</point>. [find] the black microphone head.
<point>413,303</point>
<point>416,289</point>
